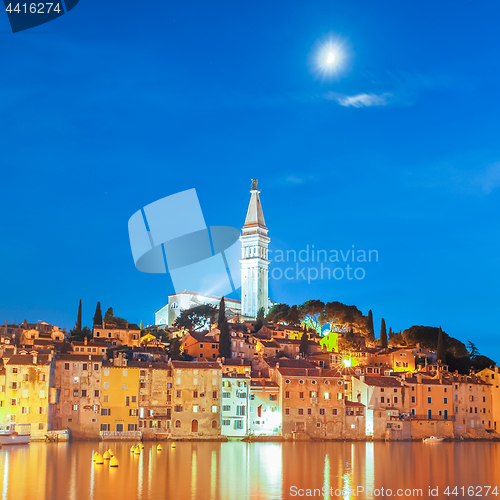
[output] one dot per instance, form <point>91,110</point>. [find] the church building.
<point>254,273</point>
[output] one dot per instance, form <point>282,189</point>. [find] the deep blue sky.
<point>118,104</point>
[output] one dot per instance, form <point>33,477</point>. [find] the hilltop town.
<point>211,368</point>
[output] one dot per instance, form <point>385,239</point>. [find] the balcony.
<point>426,417</point>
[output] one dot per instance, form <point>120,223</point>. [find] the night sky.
<point>118,104</point>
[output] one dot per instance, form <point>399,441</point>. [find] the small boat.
<point>12,433</point>
<point>433,439</point>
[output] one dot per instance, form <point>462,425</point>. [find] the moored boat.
<point>12,433</point>
<point>433,439</point>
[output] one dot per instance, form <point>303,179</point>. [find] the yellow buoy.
<point>106,455</point>
<point>173,445</point>
<point>94,456</point>
<point>113,462</point>
<point>99,460</point>
<point>137,451</point>
<point>132,449</point>
<point>159,448</point>
<point>110,453</point>
<point>141,446</point>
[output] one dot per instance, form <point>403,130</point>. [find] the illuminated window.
<point>327,395</point>
<point>214,408</point>
<point>195,408</point>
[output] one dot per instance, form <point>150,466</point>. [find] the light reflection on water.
<point>241,471</point>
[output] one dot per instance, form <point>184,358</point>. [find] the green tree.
<point>293,316</point>
<point>278,313</point>
<point>441,351</point>
<point>175,348</point>
<point>427,337</point>
<point>196,318</point>
<point>383,334</point>
<point>225,336</point>
<point>311,312</point>
<point>98,315</point>
<point>221,317</point>
<point>304,344</point>
<point>371,329</point>
<point>260,320</point>
<point>78,324</point>
<point>108,315</point>
<point>473,350</point>
<point>141,326</point>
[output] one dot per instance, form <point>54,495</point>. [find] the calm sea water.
<point>240,471</point>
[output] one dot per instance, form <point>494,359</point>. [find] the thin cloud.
<point>490,178</point>
<point>360,100</point>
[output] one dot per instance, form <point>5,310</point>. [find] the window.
<point>178,394</point>
<point>215,395</point>
<point>214,408</point>
<point>134,399</point>
<point>287,411</point>
<point>301,411</point>
<point>105,398</point>
<point>445,401</point>
<point>133,412</point>
<point>124,387</point>
<point>238,424</point>
<point>413,399</point>
<point>395,400</point>
<point>226,395</point>
<point>273,397</point>
<point>428,389</point>
<point>301,395</point>
<point>106,372</point>
<point>321,411</point>
<point>429,400</point>
<point>382,389</point>
<point>313,394</point>
<point>124,372</point>
<point>340,395</point>
<point>106,411</point>
<point>226,407</point>
<point>13,402</point>
<point>75,393</point>
<point>334,411</point>
<point>104,427</point>
<point>178,408</point>
<point>327,395</point>
<point>85,367</point>
<point>195,408</point>
<point>76,407</point>
<point>76,380</point>
<point>96,367</point>
<point>195,394</point>
<point>178,424</point>
<point>309,411</point>
<point>382,399</point>
<point>15,371</point>
<point>226,422</point>
<point>132,427</point>
<point>214,424</point>
<point>287,381</point>
<point>301,381</point>
<point>241,410</point>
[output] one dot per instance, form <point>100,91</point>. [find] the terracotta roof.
<point>79,357</point>
<point>291,363</point>
<point>196,365</point>
<point>264,383</point>
<point>235,375</point>
<point>27,359</point>
<point>354,403</point>
<point>382,381</point>
<point>427,381</point>
<point>237,362</point>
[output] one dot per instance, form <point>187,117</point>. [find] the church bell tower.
<point>254,259</point>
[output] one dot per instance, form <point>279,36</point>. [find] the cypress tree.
<point>260,320</point>
<point>304,344</point>
<point>98,315</point>
<point>371,330</point>
<point>78,324</point>
<point>383,334</point>
<point>141,326</point>
<point>225,337</point>
<point>441,353</point>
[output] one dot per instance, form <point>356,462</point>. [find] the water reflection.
<point>242,471</point>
